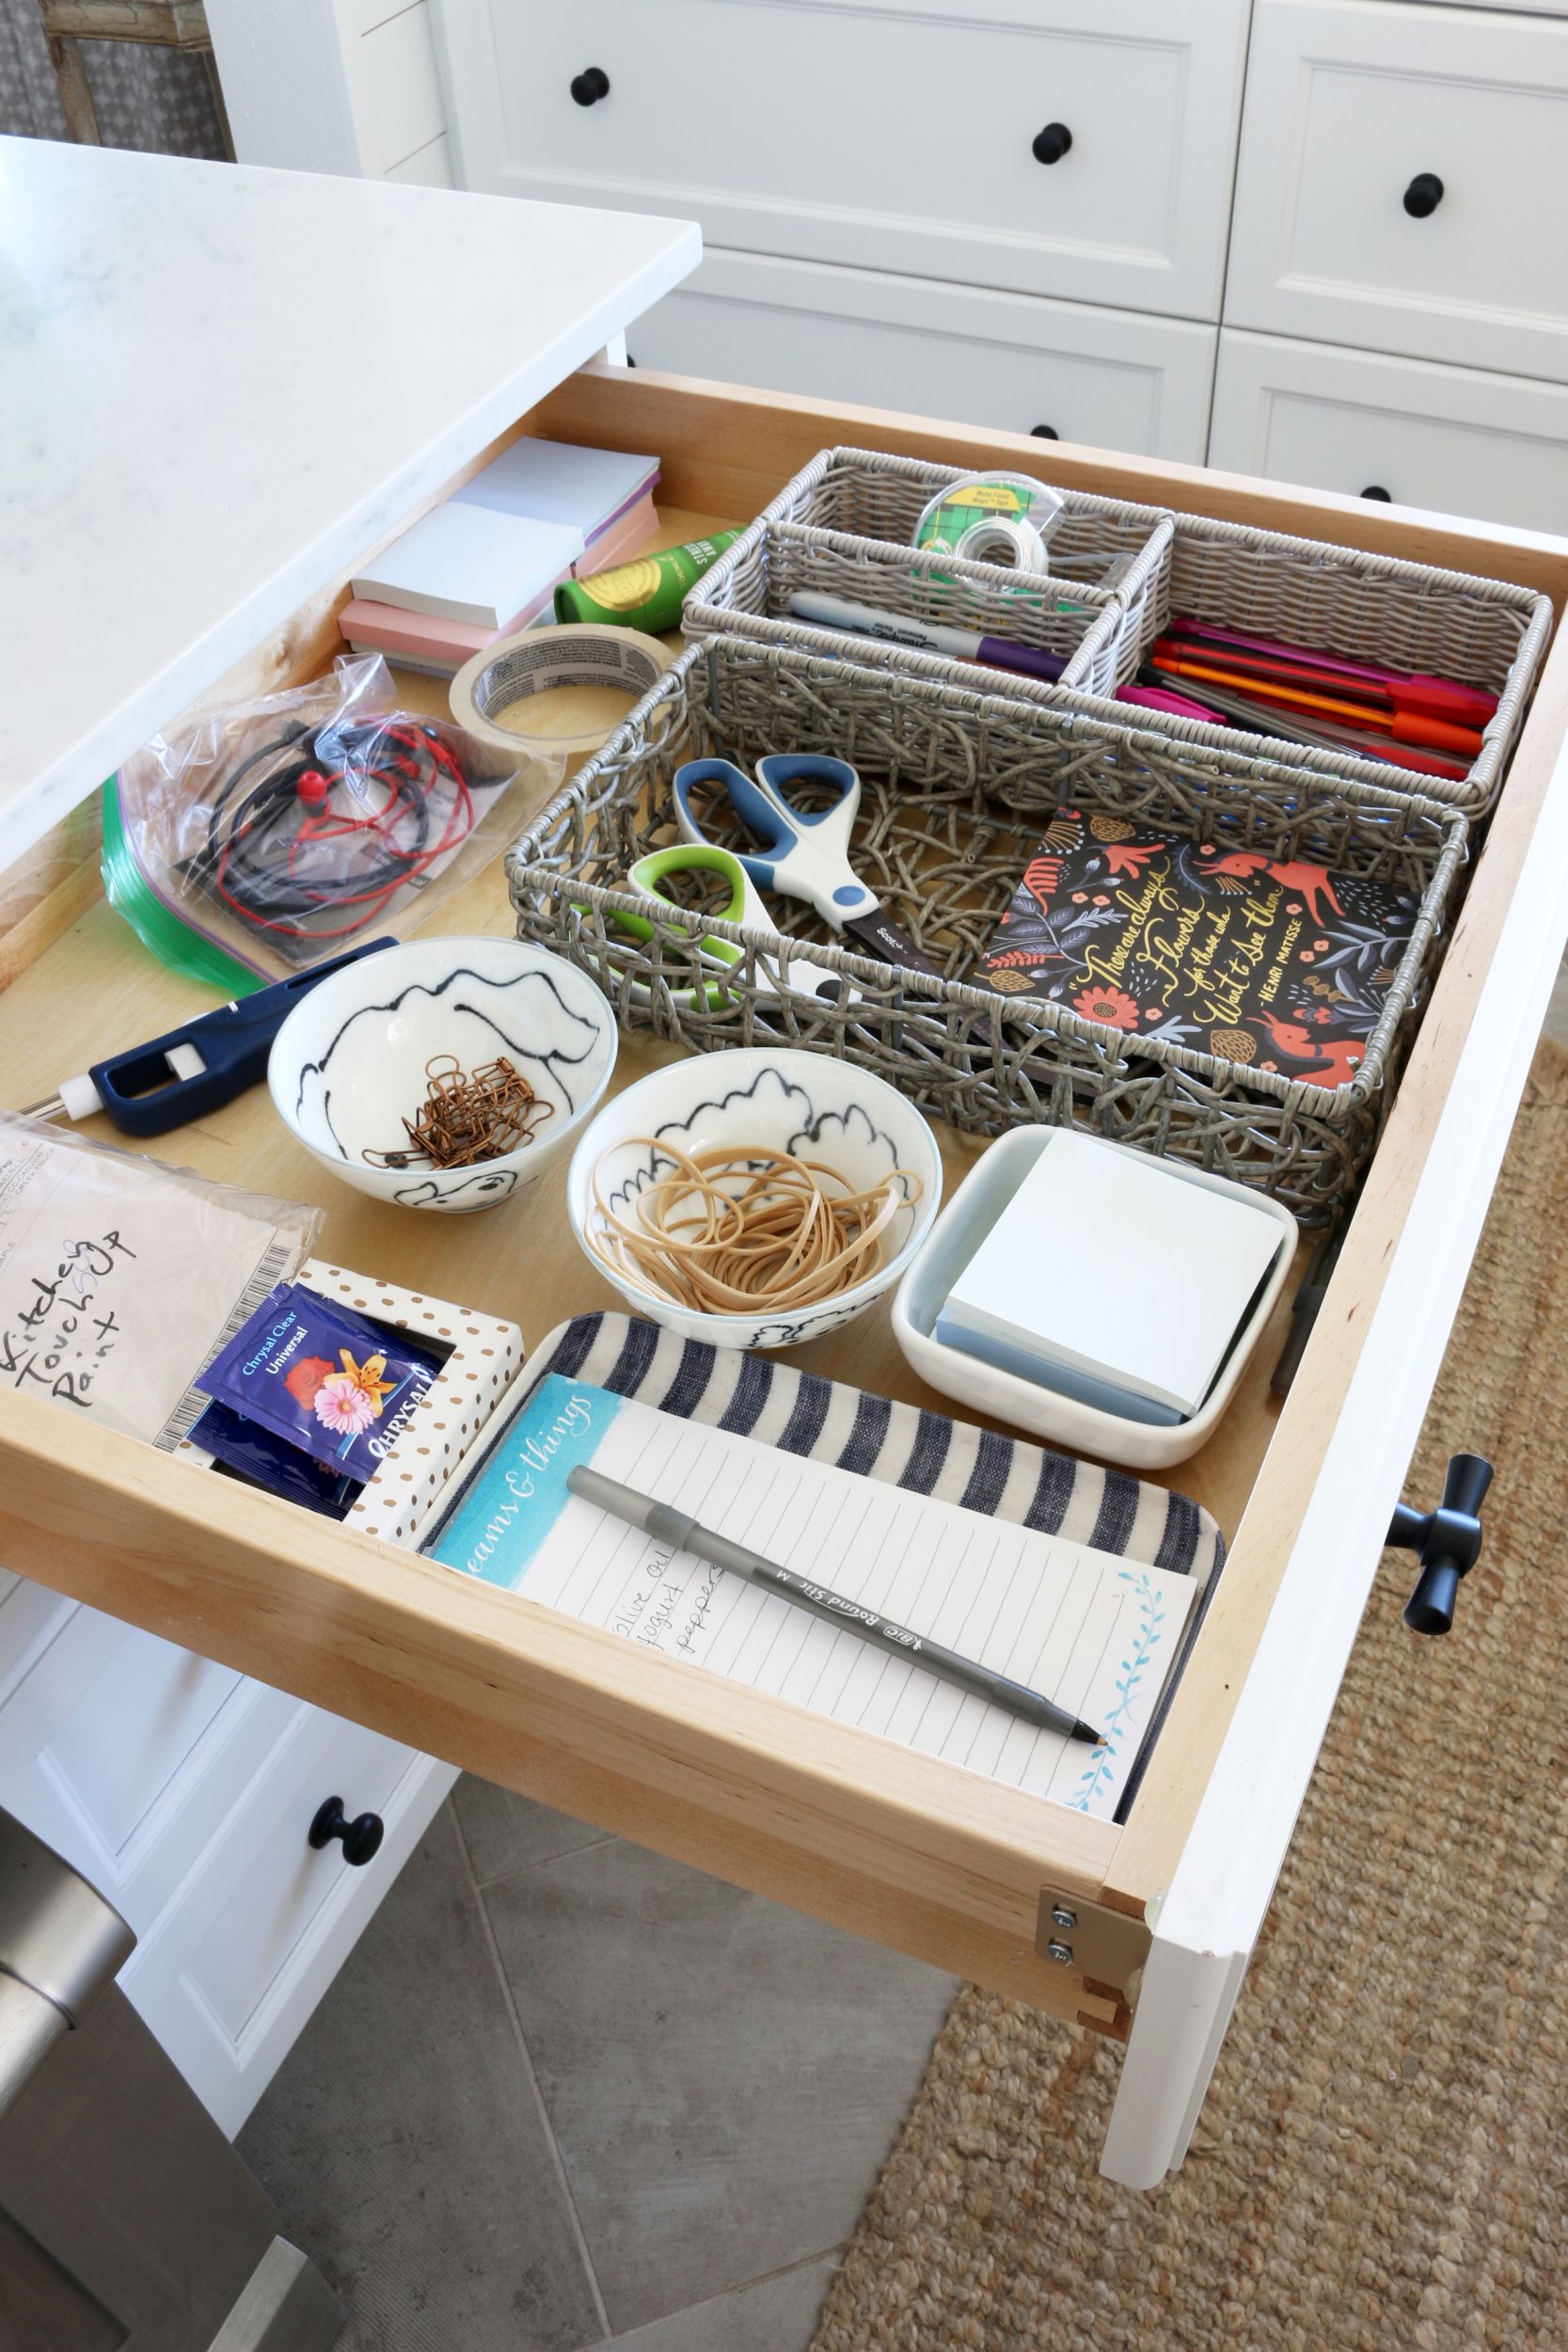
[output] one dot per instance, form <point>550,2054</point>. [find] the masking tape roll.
<point>575,653</point>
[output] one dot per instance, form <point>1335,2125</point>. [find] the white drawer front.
<point>1350,104</point>
<point>263,1927</point>
<point>1452,438</point>
<point>396,89</point>
<point>124,1752</point>
<point>1111,378</point>
<point>893,137</point>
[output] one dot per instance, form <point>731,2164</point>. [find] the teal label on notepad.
<point>503,1517</point>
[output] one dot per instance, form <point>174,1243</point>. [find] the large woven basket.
<point>845,526</point>
<point>956,789</point>
<point>1371,608</point>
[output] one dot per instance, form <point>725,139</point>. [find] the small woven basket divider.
<point>844,527</point>
<point>956,788</point>
<point>1371,607</point>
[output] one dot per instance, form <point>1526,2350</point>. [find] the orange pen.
<point>1401,727</point>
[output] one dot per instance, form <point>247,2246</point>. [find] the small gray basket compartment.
<point>845,528</point>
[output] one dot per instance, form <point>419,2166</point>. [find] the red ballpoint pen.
<point>1403,726</point>
<point>1434,697</point>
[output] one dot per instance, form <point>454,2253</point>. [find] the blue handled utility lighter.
<point>195,1069</point>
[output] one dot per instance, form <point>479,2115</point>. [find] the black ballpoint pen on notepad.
<point>666,1525</point>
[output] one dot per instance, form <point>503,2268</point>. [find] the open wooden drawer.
<point>1158,1915</point>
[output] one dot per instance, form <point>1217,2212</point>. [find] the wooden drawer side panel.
<point>936,1860</point>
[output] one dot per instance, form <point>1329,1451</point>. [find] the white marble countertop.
<point>218,386</point>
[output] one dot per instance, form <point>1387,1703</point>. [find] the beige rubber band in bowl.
<point>575,653</point>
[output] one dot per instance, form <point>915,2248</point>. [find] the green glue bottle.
<point>647,593</point>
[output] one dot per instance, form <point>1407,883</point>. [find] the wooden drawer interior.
<point>897,1846</point>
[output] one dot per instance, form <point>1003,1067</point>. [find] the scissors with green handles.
<point>803,852</point>
<point>651,876</point>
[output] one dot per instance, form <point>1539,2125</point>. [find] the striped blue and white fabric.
<point>799,1412</point>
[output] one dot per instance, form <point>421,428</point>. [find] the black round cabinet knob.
<point>590,85</point>
<point>1050,145</point>
<point>1045,433</point>
<point>1423,195</point>
<point>361,1838</point>
<point>1376,490</point>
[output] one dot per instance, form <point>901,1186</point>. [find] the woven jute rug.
<point>1383,2159</point>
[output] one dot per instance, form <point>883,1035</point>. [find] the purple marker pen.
<point>896,629</point>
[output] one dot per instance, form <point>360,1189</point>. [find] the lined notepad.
<point>1093,1630</point>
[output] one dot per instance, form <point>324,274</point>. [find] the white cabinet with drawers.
<point>185,1793</point>
<point>1048,213</point>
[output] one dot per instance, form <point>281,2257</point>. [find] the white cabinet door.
<point>123,1752</point>
<point>1402,180</point>
<point>1453,439</point>
<point>185,1792</point>
<point>228,1980</point>
<point>901,135</point>
<point>1111,378</point>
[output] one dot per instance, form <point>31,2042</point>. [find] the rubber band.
<point>741,1227</point>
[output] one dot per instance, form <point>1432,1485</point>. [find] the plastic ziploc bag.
<point>121,1278</point>
<point>274,834</point>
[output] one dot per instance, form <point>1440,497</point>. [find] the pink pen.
<point>1178,707</point>
<point>1434,697</point>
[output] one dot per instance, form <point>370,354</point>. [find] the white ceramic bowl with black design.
<point>785,1101</point>
<point>348,1065</point>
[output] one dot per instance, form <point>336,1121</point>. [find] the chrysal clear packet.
<point>320,1377</point>
<point>259,1458</point>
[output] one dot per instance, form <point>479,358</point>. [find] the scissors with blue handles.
<point>803,852</point>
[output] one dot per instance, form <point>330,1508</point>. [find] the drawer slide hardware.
<point>1109,1947</point>
<point>1448,1541</point>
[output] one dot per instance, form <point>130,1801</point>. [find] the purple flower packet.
<point>320,1378</point>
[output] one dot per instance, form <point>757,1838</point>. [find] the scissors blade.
<point>879,935</point>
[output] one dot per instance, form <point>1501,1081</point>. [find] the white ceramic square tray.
<point>984,1388</point>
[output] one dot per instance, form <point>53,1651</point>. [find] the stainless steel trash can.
<point>127,2222</point>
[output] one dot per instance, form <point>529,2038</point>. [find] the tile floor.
<point>566,2094</point>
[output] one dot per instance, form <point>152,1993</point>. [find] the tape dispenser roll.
<point>1003,518</point>
<point>575,653</point>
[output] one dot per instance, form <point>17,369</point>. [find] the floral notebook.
<point>1275,963</point>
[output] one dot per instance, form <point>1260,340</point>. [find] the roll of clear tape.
<point>998,540</point>
<point>1003,518</point>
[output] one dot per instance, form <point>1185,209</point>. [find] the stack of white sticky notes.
<point>1115,1279</point>
<point>489,561</point>
<point>607,494</point>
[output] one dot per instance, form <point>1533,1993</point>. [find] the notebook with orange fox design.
<point>1273,963</point>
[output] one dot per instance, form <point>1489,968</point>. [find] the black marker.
<point>679,1530</point>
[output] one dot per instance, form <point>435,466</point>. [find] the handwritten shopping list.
<point>1093,1630</point>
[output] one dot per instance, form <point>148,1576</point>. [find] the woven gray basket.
<point>1404,616</point>
<point>956,786</point>
<point>1400,616</point>
<point>844,527</point>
